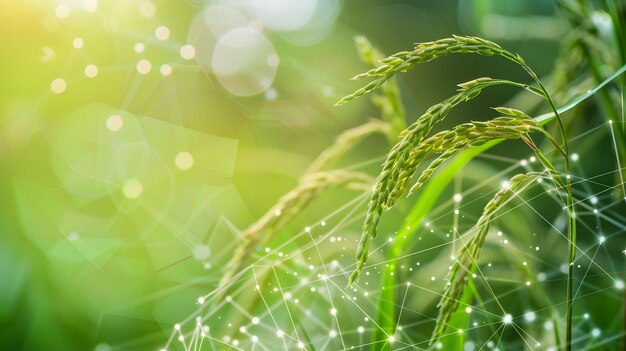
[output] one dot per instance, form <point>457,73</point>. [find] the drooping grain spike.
<point>425,52</point>
<point>345,142</point>
<point>286,208</point>
<point>470,253</point>
<point>389,101</point>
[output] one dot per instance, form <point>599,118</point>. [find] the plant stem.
<point>571,214</point>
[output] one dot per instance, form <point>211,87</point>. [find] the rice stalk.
<point>515,126</point>
<point>469,255</point>
<point>399,164</point>
<point>389,101</point>
<point>426,200</point>
<point>345,142</point>
<point>425,52</point>
<point>286,208</point>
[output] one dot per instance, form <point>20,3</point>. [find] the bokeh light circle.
<point>209,26</point>
<point>284,15</point>
<point>241,62</point>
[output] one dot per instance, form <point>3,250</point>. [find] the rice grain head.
<point>425,52</point>
<point>469,254</point>
<point>287,207</point>
<point>446,142</point>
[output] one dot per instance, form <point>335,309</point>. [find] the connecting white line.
<point>619,166</point>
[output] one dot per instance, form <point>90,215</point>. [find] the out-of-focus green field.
<point>138,138</point>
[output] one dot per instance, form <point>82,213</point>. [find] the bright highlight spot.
<point>58,86</point>
<point>114,123</point>
<point>183,160</point>
<point>507,319</point>
<point>90,5</point>
<point>91,71</point>
<point>187,52</point>
<point>162,33</point>
<point>132,188</point>
<point>62,11</point>
<point>166,70</point>
<point>78,43</point>
<point>144,66</point>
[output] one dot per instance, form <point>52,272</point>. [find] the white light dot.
<point>468,309</point>
<point>530,316</point>
<point>332,333</point>
<point>187,52</point>
<point>602,239</point>
<point>533,159</point>
<point>62,11</point>
<point>184,160</point>
<point>392,339</point>
<point>271,94</point>
<point>300,345</point>
<point>255,338</point>
<point>201,253</point>
<point>333,311</point>
<point>273,60</point>
<point>360,330</point>
<point>139,47</point>
<point>505,185</point>
<point>619,284</point>
<point>177,326</point>
<point>574,157</point>
<point>91,71</point>
<point>507,319</point>
<point>280,334</point>
<point>132,188</point>
<point>457,197</point>
<point>90,5</point>
<point>74,236</point>
<point>162,33</point>
<point>144,66</point>
<point>78,43</point>
<point>595,331</point>
<point>147,9</point>
<point>201,300</point>
<point>114,123</point>
<point>58,86</point>
<point>166,70</point>
<point>255,320</point>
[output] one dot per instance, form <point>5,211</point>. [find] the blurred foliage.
<point>111,230</point>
